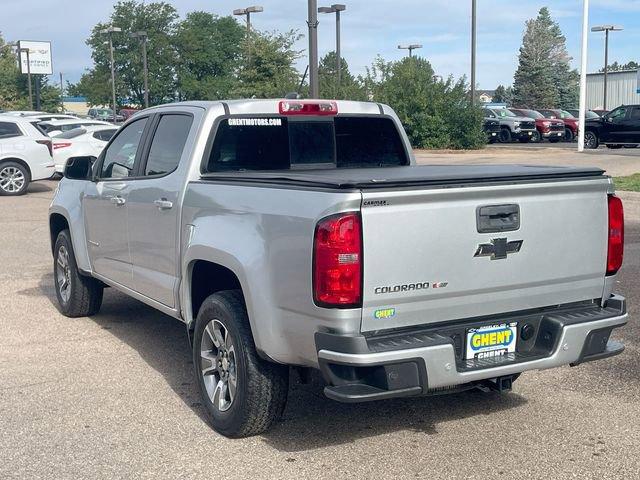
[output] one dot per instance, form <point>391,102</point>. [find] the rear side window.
<point>635,113</point>
<point>168,143</point>
<point>285,143</point>
<point>9,129</point>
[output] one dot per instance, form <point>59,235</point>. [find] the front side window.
<point>104,135</point>
<point>120,156</point>
<point>618,114</point>
<point>282,143</point>
<point>168,143</point>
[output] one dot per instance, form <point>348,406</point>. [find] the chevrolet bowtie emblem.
<point>499,248</point>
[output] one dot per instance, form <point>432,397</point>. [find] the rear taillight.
<point>48,143</point>
<point>337,261</point>
<point>308,107</point>
<point>59,145</point>
<point>615,250</point>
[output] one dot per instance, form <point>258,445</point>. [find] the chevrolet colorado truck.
<point>301,233</point>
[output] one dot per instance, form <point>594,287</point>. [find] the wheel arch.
<point>57,223</point>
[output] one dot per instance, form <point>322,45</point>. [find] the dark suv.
<point>616,129</point>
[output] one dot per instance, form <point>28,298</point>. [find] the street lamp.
<point>606,29</point>
<point>336,8</point>
<point>312,22</point>
<point>110,31</point>
<point>411,48</point>
<point>26,51</point>
<point>474,16</point>
<point>248,11</point>
<point>142,35</point>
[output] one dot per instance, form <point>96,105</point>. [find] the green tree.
<point>349,89</point>
<point>503,95</point>
<point>544,77</point>
<point>159,20</point>
<point>616,67</point>
<point>209,49</point>
<point>435,114</point>
<point>267,66</point>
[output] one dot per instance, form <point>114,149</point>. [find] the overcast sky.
<point>370,27</point>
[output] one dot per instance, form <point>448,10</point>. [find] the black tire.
<point>536,137</point>
<point>524,140</point>
<point>84,296</point>
<point>591,140</point>
<point>261,386</point>
<point>10,174</point>
<point>504,136</point>
<point>568,135</point>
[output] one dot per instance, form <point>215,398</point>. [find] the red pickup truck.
<point>570,122</point>
<point>552,130</point>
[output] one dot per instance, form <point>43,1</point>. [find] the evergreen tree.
<point>349,89</point>
<point>616,67</point>
<point>503,95</point>
<point>544,77</point>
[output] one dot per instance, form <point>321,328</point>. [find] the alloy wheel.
<point>12,179</point>
<point>63,273</point>
<point>218,365</point>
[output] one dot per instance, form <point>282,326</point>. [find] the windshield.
<point>565,114</point>
<point>104,111</point>
<point>503,112</point>
<point>531,114</point>
<point>281,143</point>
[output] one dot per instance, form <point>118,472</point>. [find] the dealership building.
<point>623,89</point>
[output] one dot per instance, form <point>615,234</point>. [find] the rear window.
<point>76,132</point>
<point>279,143</point>
<point>104,135</point>
<point>9,129</point>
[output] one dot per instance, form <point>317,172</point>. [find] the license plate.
<point>491,340</point>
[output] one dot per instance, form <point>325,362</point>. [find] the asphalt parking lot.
<point>113,396</point>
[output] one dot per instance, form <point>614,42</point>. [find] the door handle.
<point>117,201</point>
<point>163,204</point>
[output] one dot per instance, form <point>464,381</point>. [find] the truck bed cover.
<point>406,176</point>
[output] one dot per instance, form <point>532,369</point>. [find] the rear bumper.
<point>429,361</point>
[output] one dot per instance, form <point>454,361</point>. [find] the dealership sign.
<point>39,57</point>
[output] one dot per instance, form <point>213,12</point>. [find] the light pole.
<point>110,31</point>
<point>474,16</point>
<point>61,93</point>
<point>583,75</point>
<point>606,29</point>
<point>336,8</point>
<point>312,22</point>
<point>248,11</point>
<point>142,35</point>
<point>411,48</point>
<point>26,50</point>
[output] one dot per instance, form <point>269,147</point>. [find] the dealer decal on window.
<point>255,122</point>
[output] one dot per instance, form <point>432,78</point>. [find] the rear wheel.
<point>505,136</point>
<point>568,135</point>
<point>591,140</point>
<point>78,295</point>
<point>14,179</point>
<point>244,394</point>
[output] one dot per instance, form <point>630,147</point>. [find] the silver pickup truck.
<point>302,234</point>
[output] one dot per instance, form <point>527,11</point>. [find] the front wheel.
<point>536,137</point>
<point>244,394</point>
<point>504,136</point>
<point>591,140</point>
<point>78,295</point>
<point>568,135</point>
<point>14,179</point>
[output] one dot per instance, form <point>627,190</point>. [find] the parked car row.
<point>36,145</point>
<point>526,125</point>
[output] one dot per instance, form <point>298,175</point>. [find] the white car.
<point>26,155</point>
<point>56,127</point>
<point>80,142</point>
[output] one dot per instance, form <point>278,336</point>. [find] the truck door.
<point>632,126</point>
<point>613,129</point>
<point>105,205</point>
<point>154,207</point>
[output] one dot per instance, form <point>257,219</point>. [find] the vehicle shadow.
<point>310,420</point>
<point>39,187</point>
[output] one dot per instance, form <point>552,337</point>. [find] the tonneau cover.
<point>384,177</point>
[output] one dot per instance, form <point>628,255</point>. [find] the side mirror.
<point>79,168</point>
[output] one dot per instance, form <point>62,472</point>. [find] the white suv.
<point>26,154</point>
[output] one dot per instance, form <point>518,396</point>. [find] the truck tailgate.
<point>425,260</point>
